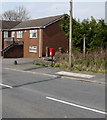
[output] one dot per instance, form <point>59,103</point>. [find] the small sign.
<point>33,49</point>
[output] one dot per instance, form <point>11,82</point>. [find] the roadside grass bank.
<point>86,65</point>
<point>94,61</point>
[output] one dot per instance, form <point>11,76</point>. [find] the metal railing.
<point>9,39</point>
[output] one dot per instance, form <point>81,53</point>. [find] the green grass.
<point>90,65</point>
<point>57,65</point>
<point>96,66</point>
<point>37,63</point>
<point>78,68</point>
<point>41,64</point>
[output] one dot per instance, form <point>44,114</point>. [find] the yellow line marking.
<point>18,70</point>
<point>84,80</point>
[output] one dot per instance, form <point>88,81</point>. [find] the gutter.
<point>5,30</point>
<point>27,28</point>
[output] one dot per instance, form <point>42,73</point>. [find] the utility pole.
<point>84,51</point>
<point>70,36</point>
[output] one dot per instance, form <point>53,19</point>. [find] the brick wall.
<point>29,42</point>
<point>54,37</point>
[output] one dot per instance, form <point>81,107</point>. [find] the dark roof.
<point>7,25</point>
<point>37,23</point>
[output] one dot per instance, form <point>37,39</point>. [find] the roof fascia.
<point>5,30</point>
<point>27,28</point>
<point>52,22</point>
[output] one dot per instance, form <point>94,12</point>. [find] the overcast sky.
<point>41,9</point>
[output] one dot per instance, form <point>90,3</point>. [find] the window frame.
<point>13,34</point>
<point>31,32</point>
<point>33,49</point>
<point>19,34</point>
<point>6,34</point>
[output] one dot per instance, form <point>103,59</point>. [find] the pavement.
<point>26,64</point>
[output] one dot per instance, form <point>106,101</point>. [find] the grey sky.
<point>81,10</point>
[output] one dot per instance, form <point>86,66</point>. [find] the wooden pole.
<point>84,47</point>
<point>70,36</point>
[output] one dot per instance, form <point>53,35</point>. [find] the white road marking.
<point>75,74</point>
<point>76,105</point>
<point>6,85</point>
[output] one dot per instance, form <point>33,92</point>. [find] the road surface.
<point>30,91</point>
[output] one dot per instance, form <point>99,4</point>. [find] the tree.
<point>101,34</point>
<point>95,33</point>
<point>65,25</point>
<point>19,14</point>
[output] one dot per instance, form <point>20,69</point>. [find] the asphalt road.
<point>30,91</point>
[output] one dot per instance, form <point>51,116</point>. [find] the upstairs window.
<point>5,34</point>
<point>33,33</point>
<point>19,34</point>
<point>13,34</point>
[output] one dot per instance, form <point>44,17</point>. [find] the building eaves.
<point>27,28</point>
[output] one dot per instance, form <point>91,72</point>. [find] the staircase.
<point>14,50</point>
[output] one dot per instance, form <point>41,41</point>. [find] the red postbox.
<point>51,51</point>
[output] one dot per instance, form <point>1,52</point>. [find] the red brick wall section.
<point>54,37</point>
<point>7,43</point>
<point>28,42</point>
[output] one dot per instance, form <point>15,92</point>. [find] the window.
<point>13,34</point>
<point>33,49</point>
<point>19,34</point>
<point>33,33</point>
<point>5,34</point>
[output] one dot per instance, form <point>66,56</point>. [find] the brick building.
<point>5,33</point>
<point>30,38</point>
